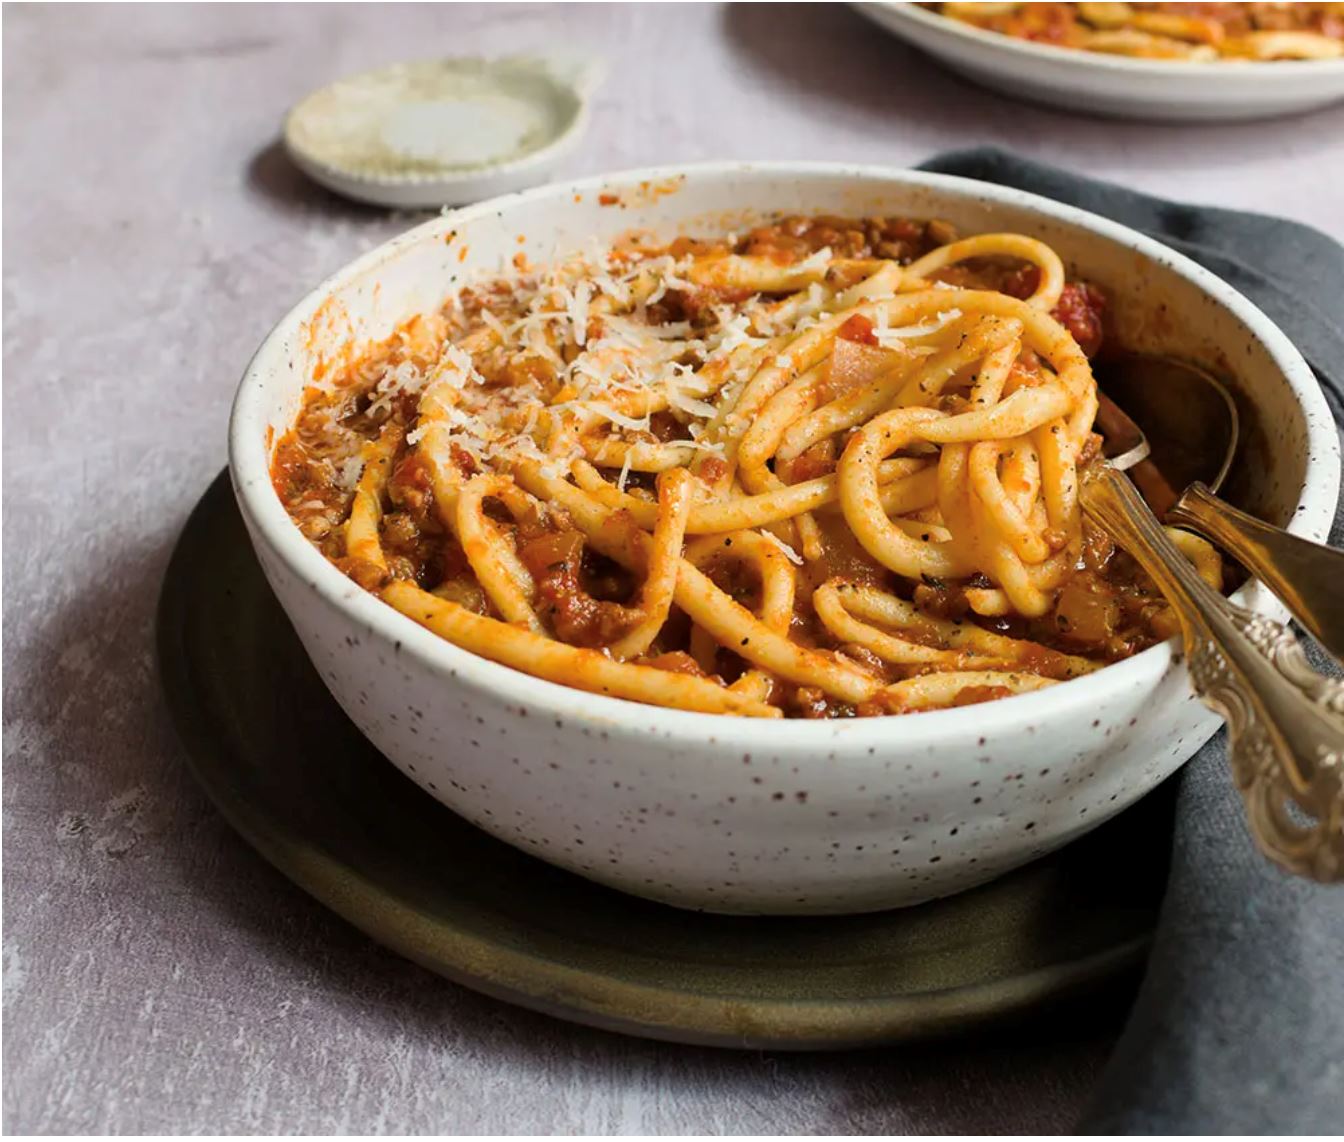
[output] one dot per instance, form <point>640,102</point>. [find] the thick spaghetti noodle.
<point>825,469</point>
<point>1169,31</point>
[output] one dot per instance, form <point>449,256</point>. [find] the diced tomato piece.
<point>858,328</point>
<point>1080,308</point>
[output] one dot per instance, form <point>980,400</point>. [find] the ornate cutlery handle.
<point>1285,721</point>
<point>1307,576</point>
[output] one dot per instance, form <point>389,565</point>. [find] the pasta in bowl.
<point>747,454</point>
<point>745,475</point>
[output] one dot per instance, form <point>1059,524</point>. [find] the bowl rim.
<point>1256,70</point>
<point>268,522</point>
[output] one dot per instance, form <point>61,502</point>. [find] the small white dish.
<point>1176,91</point>
<point>442,132</point>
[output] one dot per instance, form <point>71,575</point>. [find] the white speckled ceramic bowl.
<point>1124,87</point>
<point>738,815</point>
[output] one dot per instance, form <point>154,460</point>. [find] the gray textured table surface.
<point>158,976</point>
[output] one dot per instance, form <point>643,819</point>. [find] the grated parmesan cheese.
<point>349,472</point>
<point>634,424</point>
<point>605,362</point>
<point>889,337</point>
<point>789,553</point>
<point>815,263</point>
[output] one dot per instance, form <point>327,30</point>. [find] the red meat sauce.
<point>588,600</point>
<point>1081,308</point>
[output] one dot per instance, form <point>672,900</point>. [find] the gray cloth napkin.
<point>1238,1026</point>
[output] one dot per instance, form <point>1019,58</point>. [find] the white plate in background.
<point>1115,86</point>
<point>442,132</point>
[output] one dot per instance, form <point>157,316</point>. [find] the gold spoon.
<point>1187,423</point>
<point>1285,721</point>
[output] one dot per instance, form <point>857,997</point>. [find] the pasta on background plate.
<point>825,468</point>
<point>1294,31</point>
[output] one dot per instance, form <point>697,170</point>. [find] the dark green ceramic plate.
<point>295,777</point>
